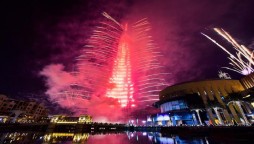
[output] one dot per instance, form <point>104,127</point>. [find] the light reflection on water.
<point>108,138</point>
<point>86,138</point>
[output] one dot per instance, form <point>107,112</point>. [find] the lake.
<point>115,138</point>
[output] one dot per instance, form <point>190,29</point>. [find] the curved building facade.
<point>216,102</point>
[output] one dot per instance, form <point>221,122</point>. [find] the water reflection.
<point>21,137</point>
<point>65,137</point>
<point>120,138</point>
<point>158,138</point>
<point>109,138</point>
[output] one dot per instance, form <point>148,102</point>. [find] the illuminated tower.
<point>121,79</point>
<point>120,62</point>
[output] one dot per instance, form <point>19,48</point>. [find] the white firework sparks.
<point>241,61</point>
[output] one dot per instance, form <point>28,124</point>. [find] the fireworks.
<point>119,61</point>
<point>242,61</point>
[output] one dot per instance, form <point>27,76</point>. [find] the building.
<point>62,119</point>
<point>216,102</point>
<point>21,111</point>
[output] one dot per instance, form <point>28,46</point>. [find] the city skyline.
<point>38,34</point>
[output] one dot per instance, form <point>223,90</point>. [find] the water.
<point>115,138</point>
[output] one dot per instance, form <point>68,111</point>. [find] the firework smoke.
<point>176,25</point>
<point>242,61</point>
<point>175,29</point>
<point>119,67</point>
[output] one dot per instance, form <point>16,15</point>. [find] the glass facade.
<point>173,105</point>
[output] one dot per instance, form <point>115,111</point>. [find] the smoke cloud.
<point>102,108</point>
<point>176,27</point>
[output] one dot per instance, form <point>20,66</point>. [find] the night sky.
<point>36,33</point>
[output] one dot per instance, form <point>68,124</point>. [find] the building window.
<point>173,105</point>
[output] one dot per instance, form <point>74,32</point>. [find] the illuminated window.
<point>173,105</point>
<point>252,104</point>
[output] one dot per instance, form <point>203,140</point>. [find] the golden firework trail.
<point>242,60</point>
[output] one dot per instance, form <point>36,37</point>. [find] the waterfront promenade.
<point>110,127</point>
